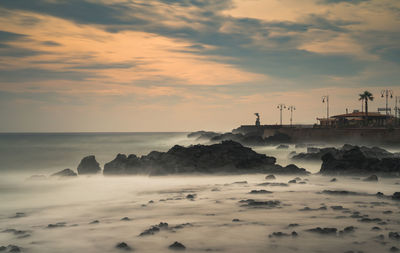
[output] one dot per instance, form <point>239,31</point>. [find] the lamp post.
<point>325,99</point>
<point>281,107</point>
<point>387,93</point>
<point>397,110</point>
<point>291,109</point>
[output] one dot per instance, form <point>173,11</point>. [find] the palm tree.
<point>366,96</point>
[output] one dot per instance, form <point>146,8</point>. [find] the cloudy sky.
<point>182,65</point>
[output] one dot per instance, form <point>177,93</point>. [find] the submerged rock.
<point>396,196</point>
<point>57,225</point>
<point>260,204</point>
<point>123,246</point>
<point>225,157</point>
<point>88,165</point>
<point>65,173</point>
<point>323,231</point>
<point>259,192</point>
<point>177,246</point>
<point>372,178</point>
<point>270,177</point>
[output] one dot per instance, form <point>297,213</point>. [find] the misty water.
<point>87,212</point>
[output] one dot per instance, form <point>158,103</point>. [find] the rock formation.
<point>225,157</point>
<point>88,165</point>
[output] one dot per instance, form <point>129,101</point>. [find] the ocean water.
<point>49,152</point>
<point>84,214</point>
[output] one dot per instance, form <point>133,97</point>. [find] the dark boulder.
<point>354,160</point>
<point>270,177</point>
<point>396,196</point>
<point>225,157</point>
<point>88,165</point>
<point>323,231</point>
<point>123,246</point>
<point>177,246</point>
<point>65,173</point>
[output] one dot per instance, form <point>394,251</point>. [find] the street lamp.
<point>291,109</point>
<point>326,99</point>
<point>281,107</point>
<point>386,93</point>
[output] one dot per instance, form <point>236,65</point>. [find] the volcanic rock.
<point>176,246</point>
<point>65,173</point>
<point>225,157</point>
<point>123,246</point>
<point>88,165</point>
<point>356,160</point>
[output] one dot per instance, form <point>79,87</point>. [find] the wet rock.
<point>394,249</point>
<point>352,160</point>
<point>282,146</point>
<point>270,177</point>
<point>396,196</point>
<point>19,233</point>
<point>323,231</point>
<point>293,181</point>
<point>227,157</point>
<point>57,225</point>
<point>333,179</point>
<point>123,246</point>
<point>65,173</point>
<point>336,208</point>
<point>88,165</point>
<point>176,246</point>
<point>293,225</point>
<point>369,220</point>
<point>154,229</point>
<point>126,219</point>
<point>387,212</point>
<point>260,204</point>
<point>94,222</point>
<point>334,192</point>
<point>372,178</point>
<point>347,230</point>
<point>394,235</point>
<point>282,234</point>
<point>240,182</point>
<point>260,192</point>
<point>375,228</point>
<point>273,184</point>
<point>13,248</point>
<point>191,196</point>
<point>235,220</point>
<point>322,208</point>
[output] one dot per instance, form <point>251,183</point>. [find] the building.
<point>357,119</point>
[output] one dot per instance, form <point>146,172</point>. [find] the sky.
<point>186,65</point>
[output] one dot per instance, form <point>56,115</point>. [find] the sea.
<point>98,213</point>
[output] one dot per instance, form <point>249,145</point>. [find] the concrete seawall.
<point>331,135</point>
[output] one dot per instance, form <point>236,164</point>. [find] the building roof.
<point>360,114</point>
